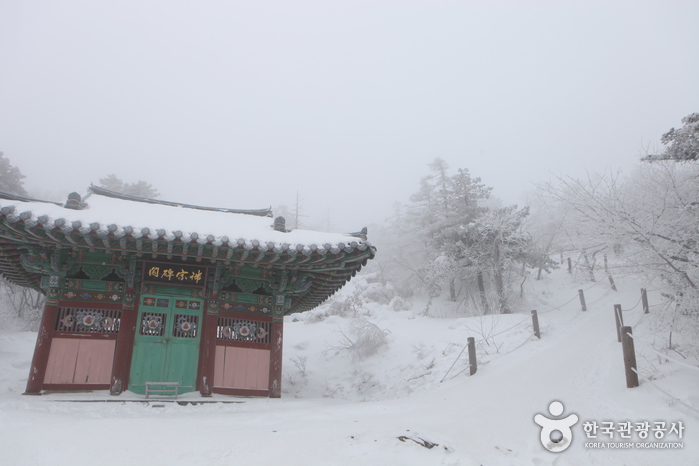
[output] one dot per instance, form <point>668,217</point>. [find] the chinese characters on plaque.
<point>174,274</point>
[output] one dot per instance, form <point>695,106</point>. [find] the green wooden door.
<point>166,345</point>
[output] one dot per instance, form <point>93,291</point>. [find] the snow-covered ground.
<point>343,405</point>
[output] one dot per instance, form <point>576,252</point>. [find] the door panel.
<point>78,361</point>
<point>244,368</point>
<point>61,363</point>
<point>166,345</point>
<point>94,362</point>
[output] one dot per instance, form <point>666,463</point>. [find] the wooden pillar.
<point>619,319</point>
<point>37,370</point>
<point>582,300</point>
<point>644,299</point>
<point>472,361</point>
<point>535,324</point>
<point>124,343</point>
<point>207,348</point>
<point>275,359</point>
<point>629,357</point>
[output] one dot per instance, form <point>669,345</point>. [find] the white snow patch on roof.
<point>138,215</point>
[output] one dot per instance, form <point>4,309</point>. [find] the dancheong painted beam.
<point>140,291</point>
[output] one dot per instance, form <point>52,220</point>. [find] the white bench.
<point>168,388</point>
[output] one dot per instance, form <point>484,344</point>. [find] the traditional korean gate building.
<point>141,290</point>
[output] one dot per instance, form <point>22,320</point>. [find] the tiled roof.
<point>111,222</point>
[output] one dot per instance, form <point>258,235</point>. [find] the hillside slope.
<point>344,405</point>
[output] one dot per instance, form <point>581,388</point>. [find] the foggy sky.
<point>242,104</point>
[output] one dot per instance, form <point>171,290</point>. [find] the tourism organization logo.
<point>649,434</point>
<point>557,435</point>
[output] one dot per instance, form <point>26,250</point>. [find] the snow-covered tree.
<point>680,144</point>
<point>654,214</point>
<point>399,266</point>
<point>20,308</point>
<point>465,244</point>
<point>442,205</point>
<point>139,188</point>
<point>10,177</point>
<point>451,242</point>
<point>494,244</point>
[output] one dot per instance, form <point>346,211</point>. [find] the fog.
<point>246,104</point>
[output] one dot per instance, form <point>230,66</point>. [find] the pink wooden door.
<point>242,368</point>
<point>80,361</point>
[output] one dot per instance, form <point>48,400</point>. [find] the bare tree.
<point>21,307</point>
<point>654,213</point>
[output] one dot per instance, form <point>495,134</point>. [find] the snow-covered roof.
<point>110,222</point>
<point>107,215</point>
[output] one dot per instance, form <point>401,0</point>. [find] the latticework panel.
<point>153,324</point>
<point>81,320</point>
<point>248,330</point>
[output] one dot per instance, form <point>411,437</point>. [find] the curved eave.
<point>12,270</point>
<point>326,283</point>
<point>329,266</point>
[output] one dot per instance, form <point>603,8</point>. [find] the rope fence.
<point>559,307</point>
<point>535,325</point>
<point>676,361</point>
<point>572,299</point>
<point>604,295</point>
<point>624,334</point>
<point>634,306</point>
<point>674,398</point>
<point>478,341</point>
<point>629,341</point>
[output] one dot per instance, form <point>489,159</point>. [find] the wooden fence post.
<point>611,282</point>
<point>629,357</point>
<point>644,299</point>
<point>619,319</point>
<point>535,323</point>
<point>472,355</point>
<point>570,266</point>
<point>582,300</point>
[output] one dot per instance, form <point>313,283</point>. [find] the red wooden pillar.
<point>207,348</point>
<point>275,359</point>
<point>124,344</point>
<point>43,344</point>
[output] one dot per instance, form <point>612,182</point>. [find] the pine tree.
<point>112,183</point>
<point>465,242</point>
<point>10,178</point>
<point>680,144</point>
<point>21,307</point>
<point>140,188</point>
<point>495,244</point>
<point>441,209</point>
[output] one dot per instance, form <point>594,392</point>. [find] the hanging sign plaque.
<point>162,273</point>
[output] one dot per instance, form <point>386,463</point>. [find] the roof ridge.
<point>17,197</point>
<point>100,191</point>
